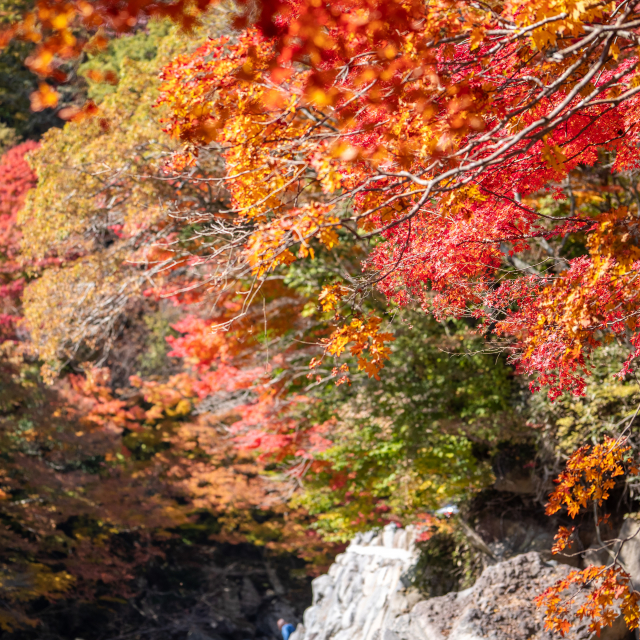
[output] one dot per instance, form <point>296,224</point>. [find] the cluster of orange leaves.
<point>367,338</point>
<point>364,333</point>
<point>609,594</point>
<point>597,594</point>
<point>589,476</point>
<point>63,29</point>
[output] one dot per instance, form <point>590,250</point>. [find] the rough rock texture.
<point>499,606</point>
<point>367,596</point>
<point>360,594</point>
<point>630,552</point>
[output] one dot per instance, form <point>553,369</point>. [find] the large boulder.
<point>499,606</point>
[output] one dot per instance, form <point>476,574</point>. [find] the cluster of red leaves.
<point>433,144</point>
<point>16,179</point>
<point>458,255</point>
<point>561,321</point>
<point>222,365</point>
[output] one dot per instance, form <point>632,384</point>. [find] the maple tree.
<point>393,127</point>
<point>324,172</point>
<point>435,149</point>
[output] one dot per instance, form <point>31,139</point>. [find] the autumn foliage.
<point>440,147</point>
<point>225,256</point>
<point>16,179</point>
<point>118,469</point>
<point>595,594</point>
<point>406,122</point>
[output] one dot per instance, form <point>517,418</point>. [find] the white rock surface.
<point>363,590</point>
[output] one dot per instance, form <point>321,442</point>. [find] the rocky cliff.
<point>365,589</point>
<point>368,595</point>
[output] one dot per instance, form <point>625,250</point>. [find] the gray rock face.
<point>363,591</point>
<point>630,552</point>
<point>367,596</point>
<point>499,606</point>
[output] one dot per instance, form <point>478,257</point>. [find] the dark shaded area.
<point>17,83</point>
<point>219,591</point>
<point>508,520</point>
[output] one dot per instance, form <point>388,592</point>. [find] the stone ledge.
<point>388,553</point>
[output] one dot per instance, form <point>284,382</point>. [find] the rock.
<point>366,596</point>
<point>630,552</point>
<point>500,605</point>
<point>362,589</point>
<point>388,535</point>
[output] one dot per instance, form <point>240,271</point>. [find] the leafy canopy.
<point>430,131</point>
<point>477,161</point>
